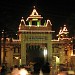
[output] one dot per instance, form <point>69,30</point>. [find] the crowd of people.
<point>32,69</point>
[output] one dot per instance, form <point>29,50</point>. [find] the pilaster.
<point>23,49</point>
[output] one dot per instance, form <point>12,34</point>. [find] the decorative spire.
<point>22,24</point>
<point>34,7</point>
<point>48,22</point>
<point>65,29</point>
<point>22,21</point>
<point>49,25</point>
<point>63,33</point>
<point>34,14</point>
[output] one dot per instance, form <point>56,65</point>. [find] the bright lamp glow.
<point>23,72</point>
<point>45,51</point>
<point>16,57</point>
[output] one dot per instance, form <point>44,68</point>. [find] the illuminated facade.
<point>35,42</point>
<point>63,47</point>
<point>35,34</point>
<point>32,38</point>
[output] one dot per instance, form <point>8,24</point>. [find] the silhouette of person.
<point>46,68</point>
<point>36,68</point>
<point>3,70</point>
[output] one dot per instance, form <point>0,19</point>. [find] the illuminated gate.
<point>35,38</point>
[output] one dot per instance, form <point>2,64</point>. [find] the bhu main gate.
<point>35,39</point>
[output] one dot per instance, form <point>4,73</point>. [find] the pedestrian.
<point>3,70</point>
<point>36,68</point>
<point>46,69</point>
<point>15,70</point>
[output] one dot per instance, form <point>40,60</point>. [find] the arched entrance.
<point>35,53</point>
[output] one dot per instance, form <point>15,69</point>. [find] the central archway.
<point>35,53</point>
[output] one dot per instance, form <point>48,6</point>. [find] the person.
<point>31,68</point>
<point>11,68</point>
<point>36,69</point>
<point>46,69</point>
<point>3,70</point>
<point>15,70</point>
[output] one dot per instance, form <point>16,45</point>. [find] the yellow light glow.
<point>65,29</point>
<point>35,19</point>
<point>34,12</point>
<point>20,61</point>
<point>57,60</point>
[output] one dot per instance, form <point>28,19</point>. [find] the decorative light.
<point>45,51</point>
<point>16,57</point>
<point>48,21</point>
<point>65,29</point>
<point>34,12</point>
<point>2,31</point>
<point>20,61</point>
<point>22,20</point>
<point>57,60</point>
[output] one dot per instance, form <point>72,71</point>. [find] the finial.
<point>22,17</point>
<point>34,7</point>
<point>64,25</point>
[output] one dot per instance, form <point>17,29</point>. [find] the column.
<point>23,49</point>
<point>49,46</point>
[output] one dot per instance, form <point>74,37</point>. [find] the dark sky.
<point>58,11</point>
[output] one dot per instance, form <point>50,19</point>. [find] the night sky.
<point>59,12</point>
